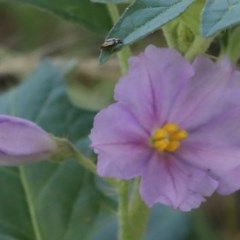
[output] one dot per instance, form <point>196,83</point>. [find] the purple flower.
<point>176,125</point>
<point>22,141</point>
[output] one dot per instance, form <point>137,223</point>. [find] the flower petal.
<point>229,182</point>
<point>22,141</point>
<point>121,143</point>
<point>152,83</point>
<point>205,96</point>
<point>169,181</point>
<point>122,161</point>
<point>215,145</point>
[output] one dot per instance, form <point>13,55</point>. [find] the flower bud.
<point>22,141</point>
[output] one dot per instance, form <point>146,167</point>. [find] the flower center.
<point>168,137</point>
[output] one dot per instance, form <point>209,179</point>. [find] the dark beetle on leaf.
<point>111,42</point>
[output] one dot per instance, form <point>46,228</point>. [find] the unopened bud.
<point>22,141</point>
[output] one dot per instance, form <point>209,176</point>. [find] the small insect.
<point>110,43</point>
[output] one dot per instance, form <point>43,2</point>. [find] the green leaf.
<point>110,1</point>
<point>219,14</point>
<point>49,201</point>
<point>163,220</point>
<point>142,18</point>
<point>191,17</point>
<point>93,16</point>
<point>183,33</point>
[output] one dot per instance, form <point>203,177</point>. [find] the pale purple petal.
<point>215,145</point>
<point>205,96</point>
<point>154,79</point>
<point>194,200</point>
<point>233,90</point>
<point>122,144</point>
<point>22,141</point>
<point>170,181</point>
<point>122,161</point>
<point>229,182</point>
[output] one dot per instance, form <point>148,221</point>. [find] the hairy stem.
<point>123,212</point>
<point>199,46</point>
<point>138,214</point>
<point>124,54</point>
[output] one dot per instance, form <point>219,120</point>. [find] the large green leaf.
<point>219,14</point>
<point>162,222</point>
<point>110,1</point>
<point>49,201</point>
<point>142,18</point>
<point>94,16</point>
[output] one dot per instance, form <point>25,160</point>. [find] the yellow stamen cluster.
<point>168,137</point>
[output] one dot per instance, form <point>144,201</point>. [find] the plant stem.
<point>124,54</point>
<point>199,46</point>
<point>176,35</point>
<point>139,213</point>
<point>168,34</point>
<point>85,162</point>
<point>123,211</point>
<point>113,12</point>
<point>132,217</point>
<point>88,164</point>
